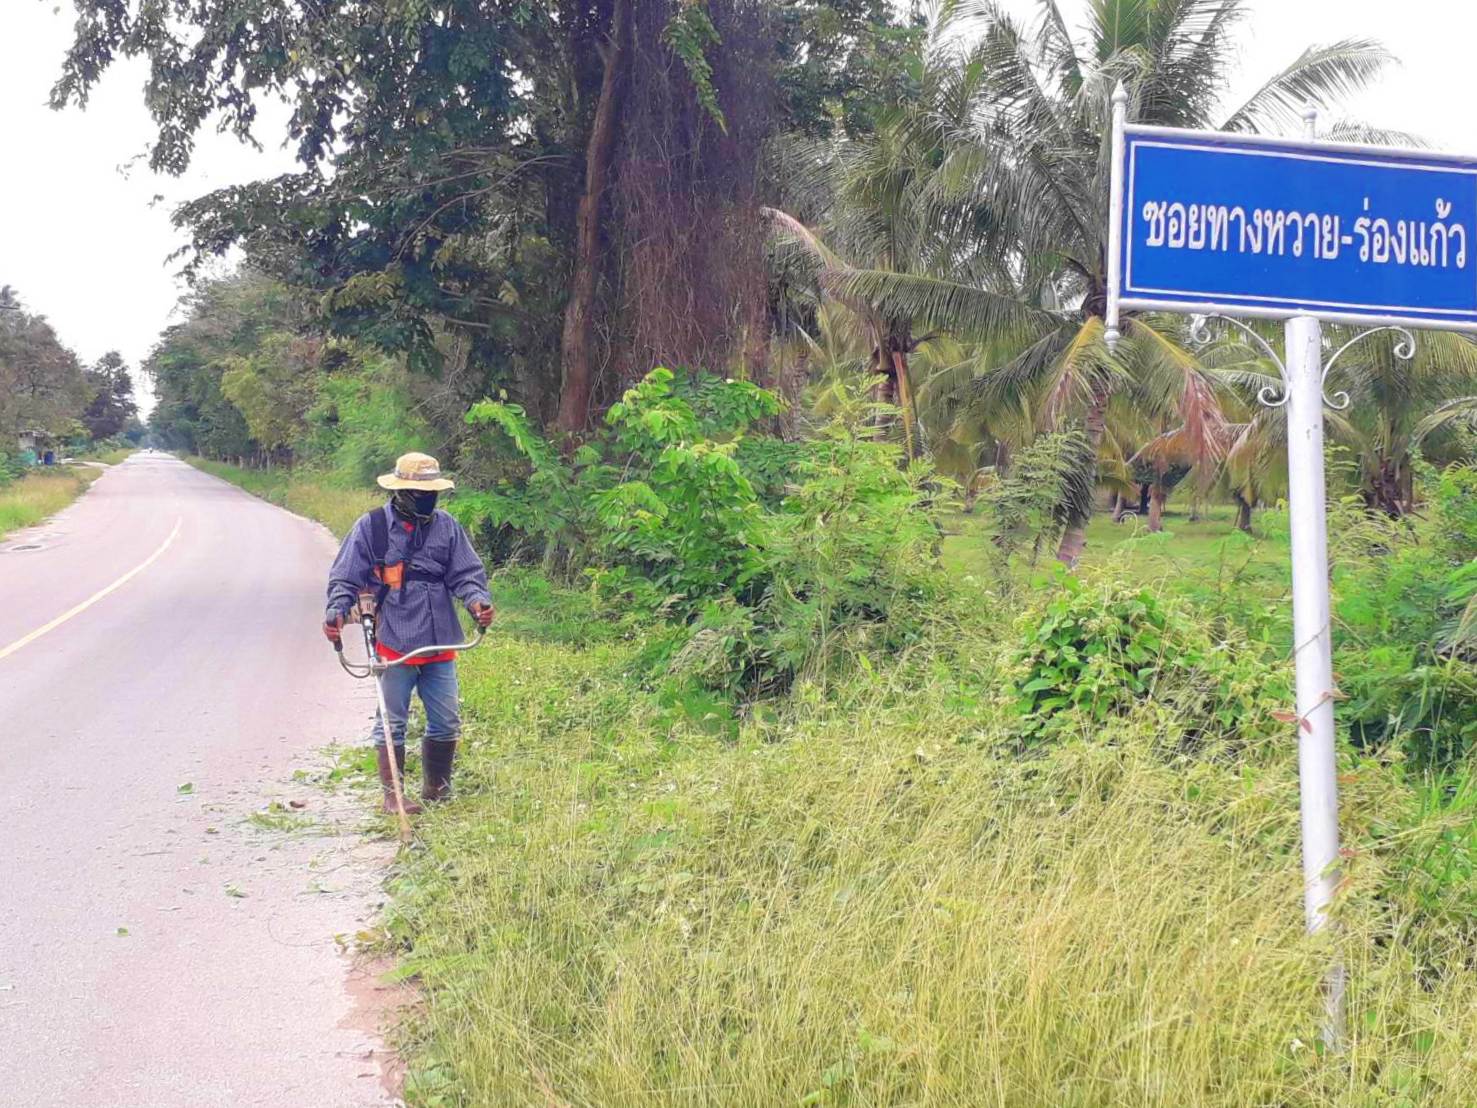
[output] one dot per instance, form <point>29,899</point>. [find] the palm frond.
<point>794,231</point>
<point>1459,412</point>
<point>1321,75</point>
<point>936,302</point>
<point>1348,130</point>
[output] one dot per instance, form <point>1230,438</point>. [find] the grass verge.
<point>37,496</point>
<point>865,901</point>
<point>302,492</point>
<point>866,894</point>
<point>113,457</point>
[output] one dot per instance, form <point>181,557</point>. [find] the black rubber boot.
<point>387,783</point>
<point>437,758</point>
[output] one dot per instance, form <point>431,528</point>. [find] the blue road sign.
<point>1220,223</point>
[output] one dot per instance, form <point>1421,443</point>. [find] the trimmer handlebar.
<point>374,665</point>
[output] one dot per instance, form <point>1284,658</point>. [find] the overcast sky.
<point>84,240</point>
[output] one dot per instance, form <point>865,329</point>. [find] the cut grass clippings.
<point>35,497</point>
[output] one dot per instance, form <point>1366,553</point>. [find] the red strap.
<point>391,655</point>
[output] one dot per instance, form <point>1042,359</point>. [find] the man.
<point>425,560</point>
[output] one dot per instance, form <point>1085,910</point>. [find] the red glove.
<point>333,628</point>
<point>483,614</point>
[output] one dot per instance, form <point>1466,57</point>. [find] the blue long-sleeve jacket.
<point>419,613</point>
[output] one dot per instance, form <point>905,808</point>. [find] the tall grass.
<point>871,898</point>
<point>304,492</point>
<point>37,496</point>
<point>861,903</point>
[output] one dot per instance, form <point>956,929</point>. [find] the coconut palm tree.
<point>1397,403</point>
<point>883,204</point>
<point>1027,177</point>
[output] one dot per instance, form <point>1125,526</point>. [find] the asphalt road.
<point>157,945</point>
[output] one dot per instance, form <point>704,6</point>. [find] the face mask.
<point>414,505</point>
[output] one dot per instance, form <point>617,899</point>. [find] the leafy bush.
<point>825,545</point>
<point>1456,511</point>
<point>1400,592</point>
<point>1049,487</point>
<point>642,494</point>
<point>1432,857</point>
<point>846,565</point>
<point>534,509</point>
<point>1090,653</point>
<point>685,517</point>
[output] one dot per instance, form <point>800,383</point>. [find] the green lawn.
<point>1207,561</point>
<point>1208,549</point>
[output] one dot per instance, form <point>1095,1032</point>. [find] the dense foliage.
<point>667,512</point>
<point>547,199</point>
<point>50,401</point>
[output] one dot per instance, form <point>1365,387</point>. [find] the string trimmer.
<point>376,667</point>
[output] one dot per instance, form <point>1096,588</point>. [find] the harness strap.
<point>390,577</point>
<point>379,546</point>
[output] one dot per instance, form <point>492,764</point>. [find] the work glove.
<point>333,627</point>
<point>483,614</point>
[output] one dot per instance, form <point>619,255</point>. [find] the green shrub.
<point>658,491</point>
<point>1431,849</point>
<point>11,467</point>
<point>1092,652</point>
<point>829,546</point>
<point>1456,510</point>
<point>1400,591</point>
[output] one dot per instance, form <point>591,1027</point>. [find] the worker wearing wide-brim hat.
<point>419,561</point>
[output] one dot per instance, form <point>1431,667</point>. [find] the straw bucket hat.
<point>416,471</point>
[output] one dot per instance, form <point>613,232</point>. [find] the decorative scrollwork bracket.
<point>1273,396</point>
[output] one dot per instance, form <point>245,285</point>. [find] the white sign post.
<point>1210,224</point>
<point>1312,640</point>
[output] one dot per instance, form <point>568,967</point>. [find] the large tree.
<point>42,388</point>
<point>112,407</point>
<point>565,192</point>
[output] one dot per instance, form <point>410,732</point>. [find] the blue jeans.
<point>436,683</point>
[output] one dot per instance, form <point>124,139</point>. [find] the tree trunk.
<point>1243,514</point>
<point>886,391</point>
<point>905,402</point>
<point>1120,507</point>
<point>792,380</point>
<point>1002,458</point>
<point>1156,508</point>
<point>1383,489</point>
<point>1074,537</point>
<point>577,346</point>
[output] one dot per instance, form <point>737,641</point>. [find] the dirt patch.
<point>377,1007</point>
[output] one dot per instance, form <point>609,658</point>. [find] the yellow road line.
<point>95,597</point>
